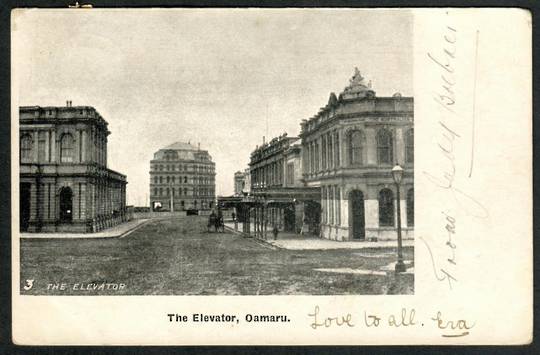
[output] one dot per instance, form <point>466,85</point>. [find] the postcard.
<point>272,176</point>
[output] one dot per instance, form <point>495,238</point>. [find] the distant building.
<point>65,185</point>
<point>182,177</point>
<point>247,182</point>
<point>349,148</point>
<point>242,182</point>
<point>239,182</point>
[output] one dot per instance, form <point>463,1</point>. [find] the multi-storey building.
<point>239,182</point>
<point>280,196</point>
<point>65,185</point>
<point>182,177</point>
<point>349,149</point>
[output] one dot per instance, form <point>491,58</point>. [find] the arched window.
<point>26,148</point>
<point>66,148</point>
<point>409,146</point>
<point>161,179</point>
<point>386,208</point>
<point>155,179</point>
<point>168,179</point>
<point>410,208</point>
<point>160,191</point>
<point>356,147</point>
<point>185,179</point>
<point>172,179</point>
<point>384,147</point>
<point>185,192</point>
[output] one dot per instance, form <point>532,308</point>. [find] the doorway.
<point>66,205</point>
<point>356,199</point>
<point>24,206</point>
<point>289,218</point>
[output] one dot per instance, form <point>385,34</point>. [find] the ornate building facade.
<point>279,194</point>
<point>349,149</point>
<point>65,185</point>
<point>182,177</point>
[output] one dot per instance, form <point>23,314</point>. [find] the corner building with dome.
<point>348,150</point>
<point>182,177</point>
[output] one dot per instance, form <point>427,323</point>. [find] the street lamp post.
<point>397,175</point>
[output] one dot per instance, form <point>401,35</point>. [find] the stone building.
<point>349,148</point>
<point>182,177</point>
<point>279,195</point>
<point>65,185</point>
<point>239,182</point>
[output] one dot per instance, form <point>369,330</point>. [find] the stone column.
<point>371,146</point>
<point>33,202</point>
<point>83,138</point>
<point>399,146</point>
<point>328,151</point>
<point>82,198</point>
<point>35,146</point>
<point>320,140</point>
<point>344,209</point>
<point>48,146</point>
<point>403,207</point>
<point>344,158</point>
<point>53,146</point>
<point>371,212</point>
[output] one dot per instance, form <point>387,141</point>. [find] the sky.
<point>221,78</point>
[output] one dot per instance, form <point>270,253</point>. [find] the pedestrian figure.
<point>220,226</point>
<point>275,231</point>
<point>211,221</point>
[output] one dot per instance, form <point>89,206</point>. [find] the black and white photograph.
<point>271,176</point>
<point>176,156</point>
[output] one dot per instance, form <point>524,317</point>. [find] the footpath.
<point>293,241</point>
<point>119,231</point>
